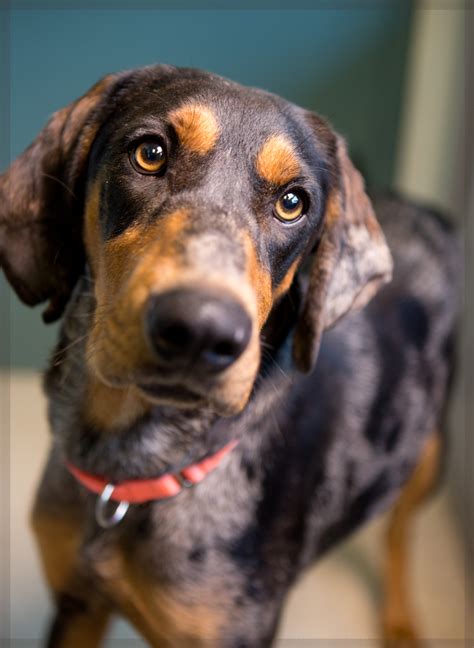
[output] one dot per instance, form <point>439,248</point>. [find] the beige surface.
<point>335,600</point>
<point>432,126</point>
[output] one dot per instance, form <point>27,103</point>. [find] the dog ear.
<point>41,248</point>
<point>351,262</point>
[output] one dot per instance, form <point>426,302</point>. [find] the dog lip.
<point>179,393</point>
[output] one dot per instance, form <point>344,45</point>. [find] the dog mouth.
<point>175,394</point>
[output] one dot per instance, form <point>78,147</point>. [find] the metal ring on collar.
<point>184,483</point>
<point>106,522</point>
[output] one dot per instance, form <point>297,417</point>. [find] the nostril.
<point>174,335</point>
<point>220,355</point>
<point>226,348</point>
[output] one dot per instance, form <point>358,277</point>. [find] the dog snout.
<point>200,328</point>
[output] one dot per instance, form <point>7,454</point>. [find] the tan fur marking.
<point>136,251</point>
<point>260,280</point>
<point>111,408</point>
<point>164,615</point>
<point>285,283</point>
<point>277,161</point>
<point>131,267</point>
<point>397,618</point>
<point>196,127</point>
<point>58,541</point>
<point>334,210</point>
<point>118,259</point>
<point>155,249</point>
<point>114,260</point>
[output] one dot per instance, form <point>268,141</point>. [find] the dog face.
<point>194,202</point>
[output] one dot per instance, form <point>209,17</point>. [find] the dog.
<point>251,364</point>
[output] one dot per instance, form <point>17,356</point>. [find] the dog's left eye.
<point>149,156</point>
<point>290,206</point>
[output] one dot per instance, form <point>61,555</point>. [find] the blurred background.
<point>392,77</point>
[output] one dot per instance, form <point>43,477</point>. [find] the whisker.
<point>60,182</point>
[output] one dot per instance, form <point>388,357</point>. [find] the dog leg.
<point>397,620</point>
<point>78,624</point>
<point>82,615</point>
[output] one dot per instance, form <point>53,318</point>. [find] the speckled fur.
<point>319,454</point>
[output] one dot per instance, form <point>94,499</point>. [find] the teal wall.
<point>346,63</point>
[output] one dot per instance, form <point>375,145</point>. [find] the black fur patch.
<point>197,554</point>
<point>360,510</point>
<point>249,468</point>
<point>414,321</point>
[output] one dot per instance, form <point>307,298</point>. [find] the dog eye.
<point>290,206</point>
<point>149,156</point>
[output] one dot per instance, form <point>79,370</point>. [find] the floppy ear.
<point>351,262</point>
<point>41,248</point>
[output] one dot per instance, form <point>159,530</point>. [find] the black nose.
<point>202,328</point>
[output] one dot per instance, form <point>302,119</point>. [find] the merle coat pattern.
<point>324,445</point>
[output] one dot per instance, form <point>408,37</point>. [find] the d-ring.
<point>183,482</point>
<point>117,516</point>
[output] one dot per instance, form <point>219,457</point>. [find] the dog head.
<point>194,201</point>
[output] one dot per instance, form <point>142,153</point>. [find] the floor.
<point>334,604</point>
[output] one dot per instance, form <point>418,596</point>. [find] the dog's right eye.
<point>290,207</point>
<point>149,157</point>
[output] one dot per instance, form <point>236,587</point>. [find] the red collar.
<point>138,491</point>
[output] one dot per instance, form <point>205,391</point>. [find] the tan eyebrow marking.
<point>277,161</point>
<point>196,127</point>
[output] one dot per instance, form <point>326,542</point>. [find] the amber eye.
<point>290,206</point>
<point>149,156</point>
